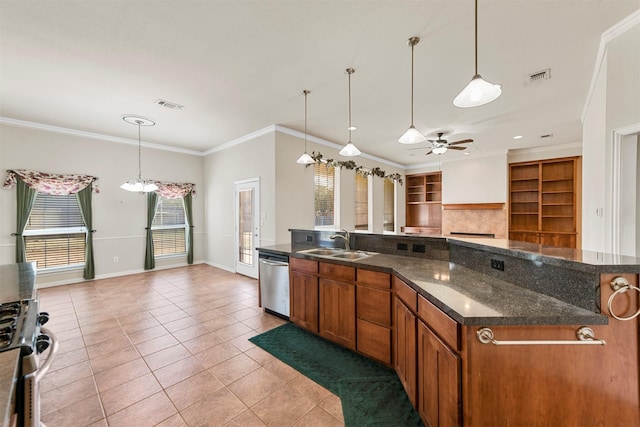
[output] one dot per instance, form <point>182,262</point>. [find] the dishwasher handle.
<point>274,263</point>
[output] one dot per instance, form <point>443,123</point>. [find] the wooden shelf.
<point>542,205</point>
<point>424,202</point>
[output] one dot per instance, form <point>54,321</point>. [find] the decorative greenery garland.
<point>351,165</point>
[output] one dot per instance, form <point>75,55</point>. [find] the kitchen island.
<point>491,332</point>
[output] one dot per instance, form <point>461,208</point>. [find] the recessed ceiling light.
<point>466,154</point>
<point>517,137</point>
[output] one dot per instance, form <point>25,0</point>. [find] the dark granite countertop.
<point>467,296</point>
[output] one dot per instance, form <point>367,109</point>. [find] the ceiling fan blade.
<point>462,141</point>
<point>457,148</point>
<point>428,152</point>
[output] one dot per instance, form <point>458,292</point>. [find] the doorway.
<point>247,227</point>
<point>625,198</point>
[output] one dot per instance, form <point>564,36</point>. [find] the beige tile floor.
<point>170,348</point>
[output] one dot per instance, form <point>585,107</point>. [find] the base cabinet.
<point>338,312</point>
<point>373,310</point>
<point>439,399</point>
<point>405,338</point>
<point>303,290</point>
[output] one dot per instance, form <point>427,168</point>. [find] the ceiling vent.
<point>170,105</point>
<point>548,135</point>
<point>540,76</point>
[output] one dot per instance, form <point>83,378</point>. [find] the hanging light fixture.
<point>412,135</point>
<point>478,91</point>
<point>350,150</point>
<point>139,185</point>
<point>305,159</point>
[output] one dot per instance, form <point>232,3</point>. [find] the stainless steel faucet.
<point>345,238</point>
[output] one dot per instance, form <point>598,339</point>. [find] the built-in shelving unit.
<point>543,207</point>
<point>424,203</point>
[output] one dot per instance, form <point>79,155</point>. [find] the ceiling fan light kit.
<point>350,150</point>
<point>478,91</point>
<point>139,185</point>
<point>305,158</point>
<point>412,135</point>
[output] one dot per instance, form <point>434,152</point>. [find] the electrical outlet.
<point>497,264</point>
<point>309,238</point>
<point>402,246</point>
<point>418,248</point>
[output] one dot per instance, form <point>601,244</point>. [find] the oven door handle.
<point>53,349</point>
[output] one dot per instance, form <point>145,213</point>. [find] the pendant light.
<point>139,185</point>
<point>412,135</point>
<point>478,91</point>
<point>305,159</point>
<point>350,150</point>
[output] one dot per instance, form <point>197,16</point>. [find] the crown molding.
<point>545,149</point>
<point>92,135</point>
<point>611,34</point>
<point>241,140</point>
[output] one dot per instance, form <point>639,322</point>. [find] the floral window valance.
<point>50,183</point>
<point>174,190</point>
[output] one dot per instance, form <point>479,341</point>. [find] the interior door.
<point>247,229</point>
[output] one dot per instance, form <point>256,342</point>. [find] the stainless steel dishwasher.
<point>274,283</point>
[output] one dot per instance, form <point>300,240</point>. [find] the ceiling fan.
<point>440,146</point>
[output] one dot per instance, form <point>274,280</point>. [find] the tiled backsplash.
<point>486,221</point>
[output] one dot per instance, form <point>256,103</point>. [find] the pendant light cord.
<point>476,36</point>
<point>412,45</point>
<point>306,92</point>
<point>139,153</point>
<point>349,71</point>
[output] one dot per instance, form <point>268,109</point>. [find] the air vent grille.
<point>170,105</point>
<point>547,135</point>
<point>540,76</point>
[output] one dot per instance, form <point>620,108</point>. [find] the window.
<point>389,205</point>
<point>169,228</point>
<point>326,195</point>
<point>55,234</point>
<point>362,202</point>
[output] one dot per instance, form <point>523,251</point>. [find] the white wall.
<point>255,158</point>
<point>118,216</point>
<point>614,104</point>
<point>481,179</point>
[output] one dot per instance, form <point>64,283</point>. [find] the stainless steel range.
<point>21,329</point>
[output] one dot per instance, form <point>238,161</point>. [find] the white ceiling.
<point>239,66</point>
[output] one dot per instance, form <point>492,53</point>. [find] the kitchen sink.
<point>352,255</point>
<point>337,253</point>
<point>323,251</point>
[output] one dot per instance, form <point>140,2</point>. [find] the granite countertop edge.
<point>467,296</point>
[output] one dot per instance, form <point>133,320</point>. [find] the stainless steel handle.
<point>53,349</point>
<point>584,335</point>
<point>274,263</point>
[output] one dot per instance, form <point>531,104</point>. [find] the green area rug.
<point>371,393</point>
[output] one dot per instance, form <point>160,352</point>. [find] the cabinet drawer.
<point>337,272</point>
<point>374,340</point>
<point>375,279</point>
<point>406,294</point>
<point>373,305</point>
<point>304,265</point>
<point>440,323</point>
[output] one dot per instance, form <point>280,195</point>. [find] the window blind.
<point>55,234</point>
<point>324,179</point>
<point>362,202</point>
<point>169,227</point>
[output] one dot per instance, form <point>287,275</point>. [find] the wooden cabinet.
<point>373,312</point>
<point>543,201</point>
<point>338,304</point>
<point>424,203</point>
<point>405,337</point>
<point>439,368</point>
<point>304,293</point>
